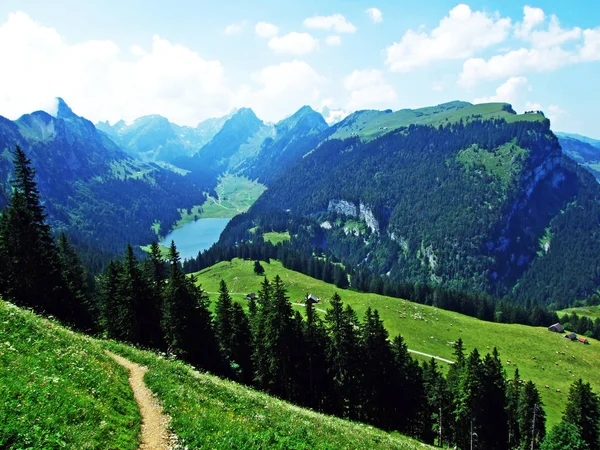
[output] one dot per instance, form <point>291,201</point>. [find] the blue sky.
<point>190,60</point>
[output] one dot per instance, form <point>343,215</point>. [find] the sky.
<point>192,60</point>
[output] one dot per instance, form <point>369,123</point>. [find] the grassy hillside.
<point>59,390</point>
<point>544,357</point>
<point>208,412</point>
<point>371,124</point>
<point>589,311</point>
<point>235,194</point>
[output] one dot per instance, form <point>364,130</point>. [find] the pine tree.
<point>224,322</point>
<point>31,275</point>
<point>583,411</point>
<point>493,430</point>
<point>344,355</point>
<point>117,311</point>
<point>187,319</point>
<point>241,345</point>
<point>278,343</point>
<point>513,396</point>
<point>258,268</point>
<point>84,312</point>
<point>316,343</point>
<point>379,372</point>
<point>531,407</point>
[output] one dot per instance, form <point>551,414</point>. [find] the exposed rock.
<point>326,225</point>
<point>343,207</point>
<point>367,215</point>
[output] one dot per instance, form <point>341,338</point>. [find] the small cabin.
<point>251,296</point>
<point>571,336</point>
<point>583,341</point>
<point>311,298</point>
<point>556,328</point>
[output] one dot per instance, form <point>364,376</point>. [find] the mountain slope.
<point>59,389</point>
<point>293,137</point>
<point>463,201</point>
<point>90,186</point>
<point>52,378</point>
<point>431,330</point>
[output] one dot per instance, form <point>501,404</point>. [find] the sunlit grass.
<point>430,330</point>
<point>59,390</point>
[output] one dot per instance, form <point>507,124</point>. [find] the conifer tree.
<point>85,314</point>
<point>187,319</point>
<point>258,268</point>
<point>344,355</point>
<point>379,377</point>
<point>241,345</point>
<point>31,275</point>
<point>531,407</point>
<point>513,397</point>
<point>316,343</point>
<point>583,411</point>
<point>259,357</point>
<point>224,323</point>
<point>278,343</point>
<point>117,311</point>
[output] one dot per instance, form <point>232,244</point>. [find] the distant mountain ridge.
<point>584,150</point>
<point>90,186</point>
<point>154,138</point>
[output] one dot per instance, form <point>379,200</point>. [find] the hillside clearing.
<point>542,356</point>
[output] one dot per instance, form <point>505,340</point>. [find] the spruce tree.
<point>187,321</point>
<point>258,268</point>
<point>31,275</point>
<point>316,342</point>
<point>531,407</point>
<point>583,411</point>
<point>513,397</point>
<point>224,322</point>
<point>85,314</point>
<point>241,345</point>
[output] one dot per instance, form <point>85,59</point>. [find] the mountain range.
<point>471,197</point>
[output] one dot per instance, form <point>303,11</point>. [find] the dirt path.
<point>155,435</point>
<point>431,356</point>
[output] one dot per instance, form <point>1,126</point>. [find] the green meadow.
<point>59,390</point>
<point>542,356</point>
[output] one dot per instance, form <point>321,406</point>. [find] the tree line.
<point>322,265</point>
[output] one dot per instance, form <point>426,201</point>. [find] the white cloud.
<point>532,17</point>
<point>266,30</point>
<point>591,45</point>
<point>235,28</point>
<point>458,36</point>
<point>335,22</point>
<point>294,43</point>
<point>333,40</point>
<point>549,49</point>
<point>99,81</point>
<point>375,15</point>
<point>282,90</point>
<point>368,90</point>
<point>554,113</point>
<point>508,92</point>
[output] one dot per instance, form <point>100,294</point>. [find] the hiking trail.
<point>155,433</point>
